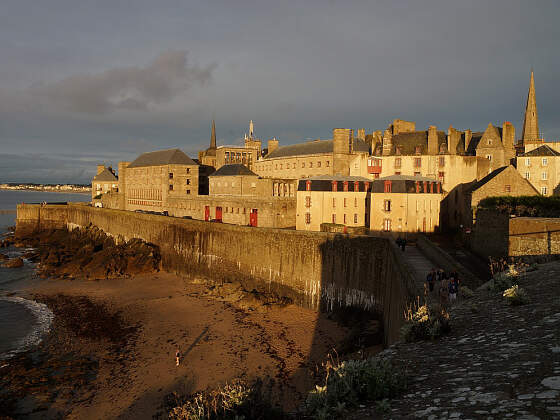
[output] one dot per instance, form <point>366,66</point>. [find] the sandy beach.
<point>116,340</point>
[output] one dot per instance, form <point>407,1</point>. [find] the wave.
<point>43,316</point>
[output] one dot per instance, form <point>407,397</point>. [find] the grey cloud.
<point>125,88</point>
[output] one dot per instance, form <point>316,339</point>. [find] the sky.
<point>88,82</point>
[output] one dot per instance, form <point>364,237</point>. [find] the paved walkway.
<point>499,361</point>
<point>421,264</point>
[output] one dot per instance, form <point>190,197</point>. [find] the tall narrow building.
<point>531,122</point>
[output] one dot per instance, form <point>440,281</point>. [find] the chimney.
<point>272,145</point>
<point>343,140</point>
<point>100,168</point>
<point>361,134</point>
<point>387,142</point>
<point>432,140</point>
<point>468,138</point>
<point>453,137</point>
<point>508,139</point>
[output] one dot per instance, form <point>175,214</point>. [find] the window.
<point>308,186</point>
<point>387,225</point>
<point>303,164</point>
<point>334,218</point>
<point>527,175</point>
<point>344,218</point>
<point>188,192</point>
<point>489,157</point>
<point>335,186</point>
<point>188,170</point>
<point>489,142</point>
<point>355,218</point>
<point>356,186</point>
<point>307,201</point>
<point>396,173</point>
<point>280,166</point>
<point>170,175</point>
<point>398,162</point>
<point>328,164</point>
<point>345,185</point>
<point>387,205</point>
<point>387,186</point>
<point>308,218</point>
<point>355,201</point>
<point>544,176</point>
<point>527,162</point>
<point>417,162</point>
<point>334,202</point>
<point>544,190</point>
<point>188,181</point>
<point>311,164</point>
<point>170,187</point>
<point>417,150</point>
<point>508,188</point>
<point>318,164</point>
<point>416,173</point>
<point>544,161</point>
<point>441,162</point>
<point>276,166</point>
<point>441,176</point>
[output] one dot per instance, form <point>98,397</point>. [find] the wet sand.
<point>128,376</point>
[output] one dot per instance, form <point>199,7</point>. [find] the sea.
<point>23,322</point>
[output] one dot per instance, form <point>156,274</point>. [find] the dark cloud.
<point>126,88</point>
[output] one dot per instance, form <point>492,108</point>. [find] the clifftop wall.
<point>317,270</point>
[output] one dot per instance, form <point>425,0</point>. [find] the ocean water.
<point>22,322</point>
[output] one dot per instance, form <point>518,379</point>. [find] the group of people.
<point>446,285</point>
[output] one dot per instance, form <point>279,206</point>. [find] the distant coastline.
<point>58,188</point>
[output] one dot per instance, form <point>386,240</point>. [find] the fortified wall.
<point>497,234</point>
<point>317,270</point>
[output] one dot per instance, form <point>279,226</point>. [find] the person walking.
<point>452,289</point>
<point>177,357</point>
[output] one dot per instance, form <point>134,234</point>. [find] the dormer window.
<point>489,142</point>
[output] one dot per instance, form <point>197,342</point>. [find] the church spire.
<point>213,136</point>
<point>531,123</point>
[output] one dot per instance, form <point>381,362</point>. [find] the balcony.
<point>374,169</point>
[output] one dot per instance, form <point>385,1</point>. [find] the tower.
<point>213,136</point>
<point>531,123</point>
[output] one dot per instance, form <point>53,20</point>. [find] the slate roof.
<point>162,157</point>
<point>406,178</point>
<point>233,169</point>
<point>312,148</point>
<point>105,175</point>
<point>473,143</point>
<point>487,178</point>
<point>337,178</point>
<point>544,150</point>
<point>408,142</point>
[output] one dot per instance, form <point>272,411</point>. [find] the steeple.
<point>531,123</point>
<point>213,136</point>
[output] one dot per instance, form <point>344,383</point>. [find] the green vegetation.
<point>97,197</point>
<point>426,322</point>
<point>235,401</point>
<point>515,296</point>
<point>527,205</point>
<point>352,382</point>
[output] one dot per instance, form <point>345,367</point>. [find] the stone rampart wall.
<point>317,270</point>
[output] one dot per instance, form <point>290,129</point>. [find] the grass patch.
<point>515,296</point>
<point>352,382</point>
<point>425,322</point>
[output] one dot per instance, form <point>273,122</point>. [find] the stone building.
<point>105,181</point>
<point>452,158</point>
<point>333,200</point>
<point>541,167</point>
<point>458,207</point>
<point>152,179</point>
<point>313,158</point>
<point>405,204</point>
<point>218,156</point>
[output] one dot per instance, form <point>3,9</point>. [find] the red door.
<point>218,214</point>
<point>206,213</point>
<point>253,217</point>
